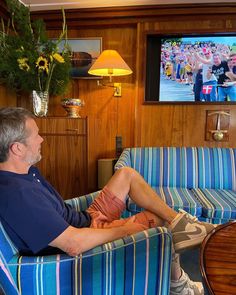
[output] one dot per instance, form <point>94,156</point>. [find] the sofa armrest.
<point>81,203</point>
<point>124,159</point>
<point>140,262</point>
<point>161,233</point>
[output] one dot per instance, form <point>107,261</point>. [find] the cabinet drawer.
<point>62,126</point>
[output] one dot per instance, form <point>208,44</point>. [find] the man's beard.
<point>32,161</point>
<point>35,160</point>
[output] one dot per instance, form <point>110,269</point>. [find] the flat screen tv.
<point>190,68</point>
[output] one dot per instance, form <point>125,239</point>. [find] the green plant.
<point>29,60</point>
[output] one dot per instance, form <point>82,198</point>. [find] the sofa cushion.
<point>213,220</point>
<point>217,203</point>
<point>176,198</point>
<point>216,168</point>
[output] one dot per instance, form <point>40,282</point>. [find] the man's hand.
<point>132,227</point>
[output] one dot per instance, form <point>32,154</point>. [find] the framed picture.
<point>84,53</point>
<point>190,68</point>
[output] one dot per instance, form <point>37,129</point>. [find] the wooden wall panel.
<point>166,128</point>
<point>181,125</point>
<point>194,126</point>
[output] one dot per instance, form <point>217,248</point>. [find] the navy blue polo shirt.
<point>33,213</point>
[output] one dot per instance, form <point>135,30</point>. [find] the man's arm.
<point>201,59</point>
<point>74,241</point>
<point>231,76</point>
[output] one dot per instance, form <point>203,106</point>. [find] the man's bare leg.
<point>180,282</point>
<point>127,181</point>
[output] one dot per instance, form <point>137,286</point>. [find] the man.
<point>232,69</point>
<point>38,221</point>
<point>209,92</point>
<point>226,91</point>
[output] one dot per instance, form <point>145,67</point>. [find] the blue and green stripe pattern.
<point>137,264</point>
<point>217,203</point>
<point>200,180</point>
<point>176,198</point>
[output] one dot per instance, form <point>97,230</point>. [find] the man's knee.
<point>126,172</point>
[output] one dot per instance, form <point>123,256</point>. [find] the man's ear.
<point>16,148</point>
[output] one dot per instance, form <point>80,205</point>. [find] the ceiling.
<point>36,5</point>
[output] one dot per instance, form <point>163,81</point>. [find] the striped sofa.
<point>200,180</point>
<point>137,264</point>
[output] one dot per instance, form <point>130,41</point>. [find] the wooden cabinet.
<point>64,154</point>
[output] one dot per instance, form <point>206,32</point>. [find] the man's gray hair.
<point>12,128</point>
<point>216,54</point>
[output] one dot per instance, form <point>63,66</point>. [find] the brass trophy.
<point>72,106</point>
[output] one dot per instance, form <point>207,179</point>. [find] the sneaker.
<point>184,286</point>
<point>187,231</point>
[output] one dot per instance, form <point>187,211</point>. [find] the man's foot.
<point>184,286</point>
<point>187,231</point>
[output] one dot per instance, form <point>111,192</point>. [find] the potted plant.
<point>29,60</point>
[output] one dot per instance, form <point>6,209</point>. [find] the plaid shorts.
<point>106,209</point>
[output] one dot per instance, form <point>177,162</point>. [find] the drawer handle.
<point>73,130</point>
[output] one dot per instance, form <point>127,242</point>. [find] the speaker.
<point>105,171</point>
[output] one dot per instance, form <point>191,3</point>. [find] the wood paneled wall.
<point>139,124</point>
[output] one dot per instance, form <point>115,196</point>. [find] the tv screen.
<point>191,68</point>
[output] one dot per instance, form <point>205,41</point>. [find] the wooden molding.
<point>93,17</point>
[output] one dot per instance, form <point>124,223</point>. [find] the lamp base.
<point>117,89</point>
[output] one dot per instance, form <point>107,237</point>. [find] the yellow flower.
<point>23,65</point>
<point>42,64</point>
<point>58,57</point>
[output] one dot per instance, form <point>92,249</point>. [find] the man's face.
<point>216,60</point>
<point>233,60</point>
<point>207,55</point>
<point>32,146</point>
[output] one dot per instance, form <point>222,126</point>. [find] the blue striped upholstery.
<point>164,166</point>
<point>200,180</point>
<point>176,198</point>
<point>137,264</point>
<point>83,202</point>
<point>216,168</point>
<point>213,220</point>
<point>217,203</point>
<point>6,281</point>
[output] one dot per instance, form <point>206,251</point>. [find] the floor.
<point>190,262</point>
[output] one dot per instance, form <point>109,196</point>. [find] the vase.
<point>72,106</point>
<point>40,103</point>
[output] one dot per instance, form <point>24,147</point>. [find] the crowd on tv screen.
<point>208,67</point>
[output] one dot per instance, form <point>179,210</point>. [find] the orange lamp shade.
<point>110,63</point>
